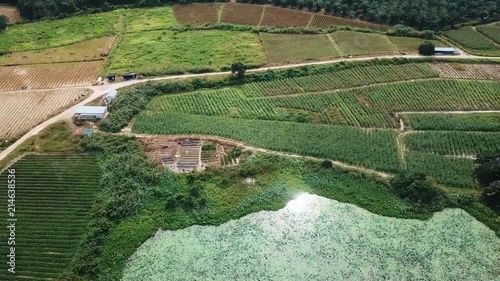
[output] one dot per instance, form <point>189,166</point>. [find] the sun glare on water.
<point>300,203</point>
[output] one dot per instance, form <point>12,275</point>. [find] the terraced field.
<point>53,198</point>
<point>45,76</point>
<point>21,111</point>
<point>473,41</point>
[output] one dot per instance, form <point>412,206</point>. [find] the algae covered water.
<point>315,238</point>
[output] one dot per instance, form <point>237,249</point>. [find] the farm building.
<point>446,51</point>
<point>111,95</point>
<point>91,112</point>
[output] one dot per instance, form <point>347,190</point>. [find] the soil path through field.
<point>267,151</point>
<point>99,91</point>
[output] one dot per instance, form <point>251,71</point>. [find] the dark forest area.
<point>421,14</point>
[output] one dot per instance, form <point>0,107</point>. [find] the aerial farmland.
<point>159,140</point>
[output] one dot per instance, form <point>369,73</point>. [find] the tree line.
<point>421,14</point>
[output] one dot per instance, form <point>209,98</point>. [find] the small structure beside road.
<point>446,51</point>
<point>91,112</point>
<point>111,95</point>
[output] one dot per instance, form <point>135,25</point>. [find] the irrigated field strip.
<point>21,111</point>
<point>46,76</point>
<point>53,197</point>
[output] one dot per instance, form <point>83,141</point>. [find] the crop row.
<point>20,112</point>
<point>490,31</point>
<point>468,71</point>
<point>471,39</point>
<point>454,143</point>
<point>489,122</point>
<point>53,199</point>
<point>340,79</point>
<point>369,148</point>
<point>367,107</point>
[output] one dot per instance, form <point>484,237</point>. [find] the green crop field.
<point>352,145</point>
<point>283,48</point>
<point>446,170</point>
<point>473,41</point>
<point>168,51</point>
<point>53,196</point>
<point>365,107</point>
<point>490,31</point>
<point>454,143</point>
<point>356,43</point>
<point>149,19</point>
<point>47,34</point>
<point>340,79</point>
<point>454,122</point>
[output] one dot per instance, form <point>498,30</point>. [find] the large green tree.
<point>3,23</point>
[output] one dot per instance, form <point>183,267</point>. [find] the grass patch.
<point>359,44</point>
<point>167,51</point>
<point>55,33</point>
<point>409,44</point>
<point>149,19</point>
<point>284,48</point>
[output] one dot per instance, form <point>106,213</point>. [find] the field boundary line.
<point>243,145</point>
<point>310,20</point>
<point>264,48</point>
<point>219,12</point>
<point>334,44</point>
<point>262,16</point>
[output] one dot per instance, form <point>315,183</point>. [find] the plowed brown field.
<point>46,76</point>
<point>327,21</point>
<point>283,17</point>
<point>248,14</point>
<point>196,14</point>
<point>21,111</point>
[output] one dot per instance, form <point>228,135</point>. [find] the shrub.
<point>426,48</point>
<point>487,169</point>
<point>417,189</point>
<point>327,164</point>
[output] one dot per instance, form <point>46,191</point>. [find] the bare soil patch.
<point>12,13</point>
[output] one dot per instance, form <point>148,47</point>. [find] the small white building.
<point>91,112</point>
<point>446,51</point>
<point>111,95</point>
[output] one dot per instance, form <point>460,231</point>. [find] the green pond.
<point>315,238</point>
